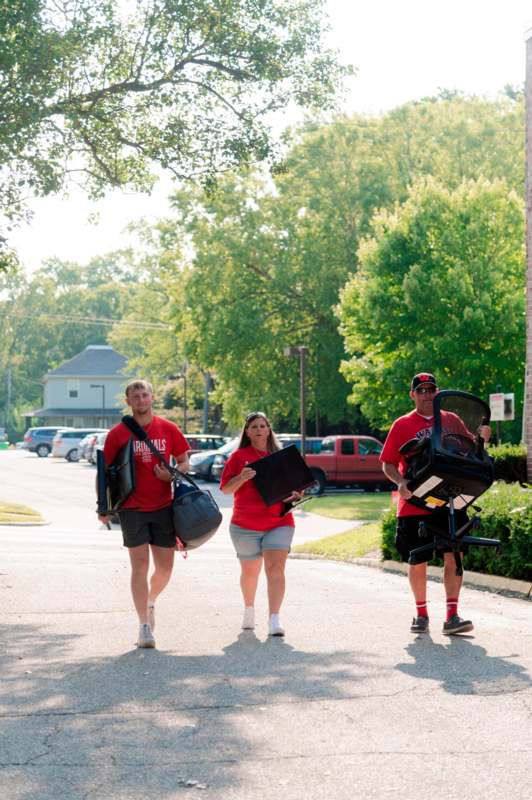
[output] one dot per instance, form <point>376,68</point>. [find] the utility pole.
<point>8,397</point>
<point>498,424</point>
<point>178,376</point>
<point>527,409</point>
<point>206,391</point>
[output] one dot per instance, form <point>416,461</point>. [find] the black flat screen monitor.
<point>116,482</point>
<point>280,474</point>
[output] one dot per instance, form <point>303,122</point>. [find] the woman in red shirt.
<point>259,532</point>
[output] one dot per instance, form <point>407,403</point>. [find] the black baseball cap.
<point>422,378</point>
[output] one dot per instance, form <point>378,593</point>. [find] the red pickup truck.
<point>347,460</point>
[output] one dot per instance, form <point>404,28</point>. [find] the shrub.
<point>509,462</point>
<point>506,515</point>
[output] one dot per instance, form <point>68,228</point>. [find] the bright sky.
<point>403,50</point>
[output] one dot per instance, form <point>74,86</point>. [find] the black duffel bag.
<point>196,514</point>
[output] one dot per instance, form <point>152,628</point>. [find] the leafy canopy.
<point>439,287</point>
<point>270,259</point>
<point>102,91</point>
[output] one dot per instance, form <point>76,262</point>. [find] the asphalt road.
<point>348,705</point>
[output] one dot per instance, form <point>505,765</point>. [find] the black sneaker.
<point>420,625</point>
<point>457,625</point>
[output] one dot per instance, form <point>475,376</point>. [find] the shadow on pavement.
<point>462,667</point>
<point>150,716</point>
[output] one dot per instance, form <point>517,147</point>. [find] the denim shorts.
<point>250,545</point>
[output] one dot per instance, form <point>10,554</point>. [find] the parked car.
<point>40,440</point>
<point>85,444</point>
<point>66,442</point>
<point>98,442</point>
<point>201,462</point>
<point>347,461</point>
<point>312,445</point>
<point>333,461</point>
<point>199,442</point>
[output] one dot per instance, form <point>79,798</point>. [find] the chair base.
<point>452,541</point>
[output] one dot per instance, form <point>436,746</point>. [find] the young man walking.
<point>418,424</point>
<point>146,516</point>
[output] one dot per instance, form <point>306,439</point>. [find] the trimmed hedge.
<point>506,515</point>
<point>509,462</point>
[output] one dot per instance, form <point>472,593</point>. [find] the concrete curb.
<point>475,580</point>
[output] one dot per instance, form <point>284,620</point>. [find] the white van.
<point>66,442</point>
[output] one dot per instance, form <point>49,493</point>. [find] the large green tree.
<point>157,351</point>
<point>439,287</point>
<point>104,91</point>
<point>249,293</point>
<point>52,316</point>
<point>270,259</point>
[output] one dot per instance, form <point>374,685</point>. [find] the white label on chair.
<point>463,500</point>
<point>427,486</point>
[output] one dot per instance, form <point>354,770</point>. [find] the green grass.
<point>367,506</point>
<point>354,543</point>
<point>14,512</point>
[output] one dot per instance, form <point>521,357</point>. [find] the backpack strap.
<point>139,432</point>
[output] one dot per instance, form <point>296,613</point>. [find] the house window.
<point>73,387</point>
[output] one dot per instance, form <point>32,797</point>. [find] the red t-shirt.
<point>415,426</point>
<point>151,493</point>
<point>249,509</point>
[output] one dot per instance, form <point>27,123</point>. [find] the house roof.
<point>77,412</point>
<point>97,359</point>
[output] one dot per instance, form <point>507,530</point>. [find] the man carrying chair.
<point>418,424</point>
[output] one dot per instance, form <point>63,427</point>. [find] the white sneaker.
<point>151,616</point>
<point>146,638</point>
<point>274,626</point>
<point>248,620</point>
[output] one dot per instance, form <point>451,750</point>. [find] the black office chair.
<point>446,473</point>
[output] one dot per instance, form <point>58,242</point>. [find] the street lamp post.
<point>102,387</point>
<point>301,352</point>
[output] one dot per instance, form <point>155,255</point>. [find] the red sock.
<point>452,607</point>
<point>421,608</point>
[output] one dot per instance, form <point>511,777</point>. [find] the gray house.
<point>85,391</point>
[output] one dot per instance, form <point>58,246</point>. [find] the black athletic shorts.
<point>407,535</point>
<point>147,527</point>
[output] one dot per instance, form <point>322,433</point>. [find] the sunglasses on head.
<point>254,414</point>
<point>426,390</point>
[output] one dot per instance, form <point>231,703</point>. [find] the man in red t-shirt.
<point>418,424</point>
<point>146,516</point>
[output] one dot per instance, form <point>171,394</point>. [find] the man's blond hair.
<point>138,383</point>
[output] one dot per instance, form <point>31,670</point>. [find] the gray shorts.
<point>250,545</point>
